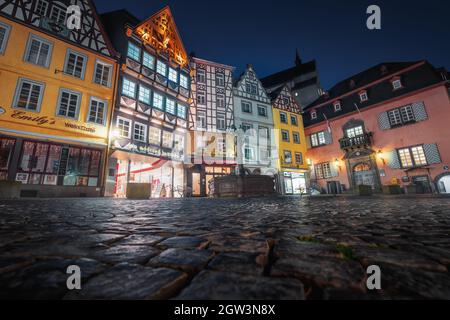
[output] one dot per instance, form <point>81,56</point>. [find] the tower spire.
<point>298,60</point>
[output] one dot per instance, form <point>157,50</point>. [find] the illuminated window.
<point>148,60</point>
<point>134,52</point>
<point>318,139</point>
<point>124,125</point>
<point>154,136</point>
<point>129,88</point>
<point>363,96</point>
<point>170,106</point>
<point>405,157</point>
<point>144,94</point>
<point>354,132</point>
<point>173,75</point>
<point>167,141</point>
<point>181,111</point>
<point>184,81</point>
<point>161,68</point>
<point>158,101</point>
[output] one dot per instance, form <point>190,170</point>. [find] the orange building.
<point>387,126</point>
<point>57,76</point>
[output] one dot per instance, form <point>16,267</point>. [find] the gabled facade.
<point>151,113</point>
<point>386,127</point>
<point>254,117</point>
<point>211,123</point>
<point>57,80</point>
<point>290,137</point>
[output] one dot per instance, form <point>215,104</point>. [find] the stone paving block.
<point>213,285</point>
<point>321,271</point>
<point>140,239</point>
<point>184,259</point>
<point>289,248</point>
<point>131,282</point>
<point>130,254</point>
<point>182,242</point>
<point>46,279</point>
<point>221,244</point>
<point>238,262</point>
<point>376,256</point>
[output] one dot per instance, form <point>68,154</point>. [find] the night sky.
<point>267,33</point>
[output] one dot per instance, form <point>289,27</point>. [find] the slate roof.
<point>288,74</point>
<point>422,74</point>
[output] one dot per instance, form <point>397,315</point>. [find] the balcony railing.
<point>362,141</point>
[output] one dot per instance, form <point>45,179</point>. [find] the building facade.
<point>151,113</point>
<point>57,74</point>
<point>387,126</point>
<point>302,79</point>
<point>254,117</point>
<point>292,176</point>
<point>212,151</point>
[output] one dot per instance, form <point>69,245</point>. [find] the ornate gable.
<point>51,17</point>
<point>249,78</point>
<point>160,32</point>
<point>285,101</point>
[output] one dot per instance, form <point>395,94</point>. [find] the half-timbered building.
<point>151,114</point>
<point>257,151</point>
<point>211,124</point>
<point>293,175</point>
<point>57,74</point>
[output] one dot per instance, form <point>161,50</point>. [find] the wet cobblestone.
<point>274,248</point>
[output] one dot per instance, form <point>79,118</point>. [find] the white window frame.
<point>154,129</point>
<point>78,55</point>
<point>220,79</point>
<point>181,111</point>
<point>288,135</point>
<point>20,83</point>
<point>134,85</point>
<point>104,65</point>
<point>301,158</point>
<point>318,139</point>
<point>296,134</point>
<point>146,59</point>
<point>158,97</point>
<point>61,11</point>
<point>285,117</point>
<point>173,110</point>
<point>184,81</point>
<point>4,43</point>
<point>130,126</point>
<point>173,72</point>
<point>201,75</point>
<point>363,97</point>
<point>250,107</point>
<point>407,114</point>
<point>296,120</point>
<point>58,106</point>
<point>201,94</point>
<point>354,132</point>
<point>160,67</point>
<point>130,50</point>
<point>337,106</point>
<point>143,88</point>
<point>200,118</point>
<point>290,156</point>
<point>144,127</point>
<point>105,111</point>
<point>32,37</point>
<point>46,7</point>
<point>172,140</point>
<point>313,115</point>
<point>261,107</point>
<point>397,84</point>
<point>221,119</point>
<point>220,100</point>
<point>251,153</point>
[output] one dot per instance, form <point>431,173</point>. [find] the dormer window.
<point>337,106</point>
<point>313,115</point>
<point>363,96</point>
<point>397,84</point>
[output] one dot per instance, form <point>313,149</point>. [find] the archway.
<point>364,175</point>
<point>443,183</point>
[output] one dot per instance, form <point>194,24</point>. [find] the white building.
<point>253,115</point>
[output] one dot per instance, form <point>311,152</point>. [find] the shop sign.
<point>39,120</point>
<point>298,175</point>
<point>287,174</point>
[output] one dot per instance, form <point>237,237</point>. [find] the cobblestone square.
<point>272,248</point>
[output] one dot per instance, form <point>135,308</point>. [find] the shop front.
<point>51,169</point>
<point>294,183</point>
<point>200,176</point>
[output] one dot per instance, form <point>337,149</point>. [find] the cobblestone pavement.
<point>277,248</point>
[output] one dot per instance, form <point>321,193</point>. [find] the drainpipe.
<point>110,124</point>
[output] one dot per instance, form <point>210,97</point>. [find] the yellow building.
<point>57,74</point>
<point>291,142</point>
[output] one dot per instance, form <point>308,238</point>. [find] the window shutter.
<point>420,114</point>
<point>432,153</point>
<point>393,160</point>
<point>328,137</point>
<point>383,121</point>
<point>334,169</point>
<point>308,142</point>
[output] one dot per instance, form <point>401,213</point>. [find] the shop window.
<point>6,150</point>
<point>167,140</point>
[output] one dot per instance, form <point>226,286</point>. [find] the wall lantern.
<point>380,156</point>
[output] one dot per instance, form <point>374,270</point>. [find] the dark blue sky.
<point>266,33</point>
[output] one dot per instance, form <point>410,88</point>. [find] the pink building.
<point>387,126</point>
